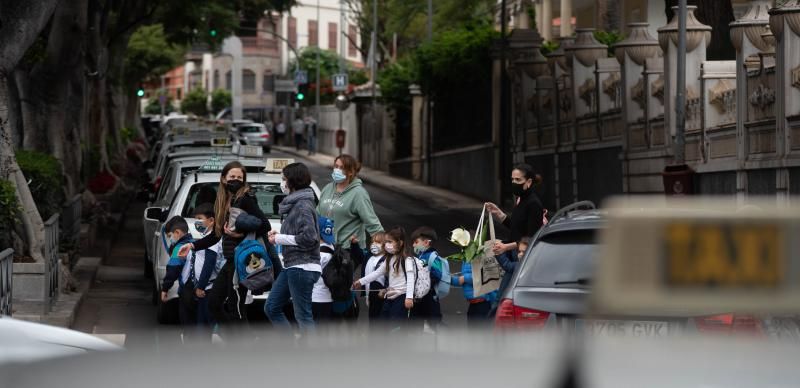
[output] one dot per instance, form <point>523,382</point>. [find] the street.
<point>118,306</point>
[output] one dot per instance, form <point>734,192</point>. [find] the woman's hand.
<point>409,304</point>
<point>499,248</point>
<point>495,211</point>
<point>232,233</point>
<point>185,249</point>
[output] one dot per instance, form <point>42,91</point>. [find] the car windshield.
<point>207,193</point>
<point>249,129</point>
<point>564,259</point>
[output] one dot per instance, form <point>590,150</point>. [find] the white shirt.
<point>287,239</point>
<point>399,283</point>
<point>281,128</point>
<point>199,258</point>
<point>321,293</point>
<point>370,268</point>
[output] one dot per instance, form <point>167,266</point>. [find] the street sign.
<point>698,256</point>
<point>300,77</point>
<point>340,82</point>
<point>285,85</point>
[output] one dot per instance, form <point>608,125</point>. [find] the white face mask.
<point>389,248</point>
<point>284,187</point>
<point>375,249</point>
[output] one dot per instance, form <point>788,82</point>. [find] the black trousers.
<point>225,303</point>
<point>322,312</point>
<point>478,315</point>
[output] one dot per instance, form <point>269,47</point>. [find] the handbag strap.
<point>492,236</point>
<point>479,229</point>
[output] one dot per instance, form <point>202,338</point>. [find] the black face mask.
<point>234,186</point>
<point>518,189</point>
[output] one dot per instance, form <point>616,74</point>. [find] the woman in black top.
<point>526,217</point>
<point>233,193</point>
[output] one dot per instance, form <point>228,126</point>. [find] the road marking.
<point>114,338</point>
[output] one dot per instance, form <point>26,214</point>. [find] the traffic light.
<point>213,33</point>
<point>140,92</point>
<point>299,96</point>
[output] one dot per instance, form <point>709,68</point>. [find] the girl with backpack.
<point>400,268</point>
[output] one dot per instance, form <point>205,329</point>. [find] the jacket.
<point>526,217</point>
<point>202,267</point>
<point>249,205</point>
<point>436,271</point>
<point>351,212</point>
<point>466,272</point>
<point>300,226</point>
<point>509,264</point>
<point>175,264</point>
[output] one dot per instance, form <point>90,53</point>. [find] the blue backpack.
<point>443,266</point>
<point>253,266</point>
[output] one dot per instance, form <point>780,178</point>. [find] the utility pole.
<point>319,81</point>
<point>505,152</point>
<point>680,97</point>
<point>374,45</point>
<point>162,99</point>
<point>429,109</point>
<point>430,19</point>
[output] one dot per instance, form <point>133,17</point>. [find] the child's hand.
<point>354,239</point>
<point>164,296</point>
<point>185,249</point>
<point>200,293</point>
<point>356,285</point>
<point>409,304</point>
<point>460,280</point>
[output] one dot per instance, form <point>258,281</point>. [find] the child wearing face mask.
<point>177,231</point>
<point>428,308</point>
<point>374,289</point>
<point>509,261</point>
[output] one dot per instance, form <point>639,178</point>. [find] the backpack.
<point>253,266</point>
<point>338,273</point>
<point>443,287</point>
<point>422,278</point>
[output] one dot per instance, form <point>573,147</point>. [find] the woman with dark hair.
<point>300,240</point>
<point>347,203</point>
<point>233,197</point>
<point>526,217</point>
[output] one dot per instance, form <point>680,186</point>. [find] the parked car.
<point>266,187</point>
<point>25,342</point>
<point>253,134</point>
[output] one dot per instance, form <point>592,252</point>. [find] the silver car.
<point>253,134</point>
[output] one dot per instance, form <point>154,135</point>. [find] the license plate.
<point>612,328</point>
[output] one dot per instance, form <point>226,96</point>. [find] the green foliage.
<point>395,80</point>
<point>150,54</point>
<point>46,180</point>
<point>128,134</point>
<point>609,38</point>
<point>220,99</point>
<point>154,108</point>
<point>548,47</point>
<point>328,66</point>
<point>195,102</point>
<point>9,211</point>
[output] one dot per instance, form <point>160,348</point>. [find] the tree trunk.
<point>717,14</point>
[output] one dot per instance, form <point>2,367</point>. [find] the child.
<point>374,296</point>
<point>399,295</point>
<point>429,306</point>
<point>321,299</point>
<point>508,261</point>
<point>480,306</point>
<point>177,231</point>
<point>198,275</point>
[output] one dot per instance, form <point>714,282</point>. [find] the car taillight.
<point>511,316</point>
<point>157,183</point>
<point>728,323</point>
<point>265,136</point>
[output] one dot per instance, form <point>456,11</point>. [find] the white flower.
<point>460,237</point>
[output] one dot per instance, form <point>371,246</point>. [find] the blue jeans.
<point>296,284</point>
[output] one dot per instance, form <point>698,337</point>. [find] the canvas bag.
<point>486,271</point>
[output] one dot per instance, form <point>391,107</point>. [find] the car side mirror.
<point>155,214</point>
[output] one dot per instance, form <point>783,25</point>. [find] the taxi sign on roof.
<point>698,256</point>
<point>277,165</point>
<point>212,164</point>
<point>250,151</point>
<point>220,142</point>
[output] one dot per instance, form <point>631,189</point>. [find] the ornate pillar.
<point>785,25</point>
<point>547,20</point>
<point>566,18</point>
<point>585,52</point>
<point>631,54</point>
<point>698,36</point>
<point>528,63</point>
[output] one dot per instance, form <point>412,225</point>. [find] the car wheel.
<point>148,267</point>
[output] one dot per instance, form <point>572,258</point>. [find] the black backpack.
<point>338,273</point>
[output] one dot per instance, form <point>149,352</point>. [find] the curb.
<point>440,197</point>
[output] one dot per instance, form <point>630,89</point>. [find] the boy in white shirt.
<point>321,299</point>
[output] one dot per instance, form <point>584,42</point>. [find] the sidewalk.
<point>437,197</point>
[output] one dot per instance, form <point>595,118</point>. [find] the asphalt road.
<point>119,304</point>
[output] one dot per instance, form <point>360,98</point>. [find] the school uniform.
<point>374,300</point>
<point>399,288</point>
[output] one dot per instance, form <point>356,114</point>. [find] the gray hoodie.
<point>300,221</point>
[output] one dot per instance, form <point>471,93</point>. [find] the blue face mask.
<point>170,242</point>
<point>200,226</point>
<point>338,176</point>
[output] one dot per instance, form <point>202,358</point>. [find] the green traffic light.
<point>213,33</point>
<point>140,92</point>
<point>300,96</point>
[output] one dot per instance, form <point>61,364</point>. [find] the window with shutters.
<point>313,33</point>
<point>332,36</point>
<point>216,80</point>
<point>268,86</point>
<point>228,81</point>
<point>248,81</point>
<point>352,33</point>
<point>292,31</point>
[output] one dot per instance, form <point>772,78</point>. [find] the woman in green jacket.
<point>347,203</point>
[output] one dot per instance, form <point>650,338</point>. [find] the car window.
<point>249,129</point>
<point>167,183</point>
<point>207,192</point>
<point>565,257</point>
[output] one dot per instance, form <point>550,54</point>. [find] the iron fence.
<point>6,271</point>
<point>51,233</point>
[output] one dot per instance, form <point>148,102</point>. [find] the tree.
<point>220,99</point>
<point>195,102</point>
<point>329,65</point>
